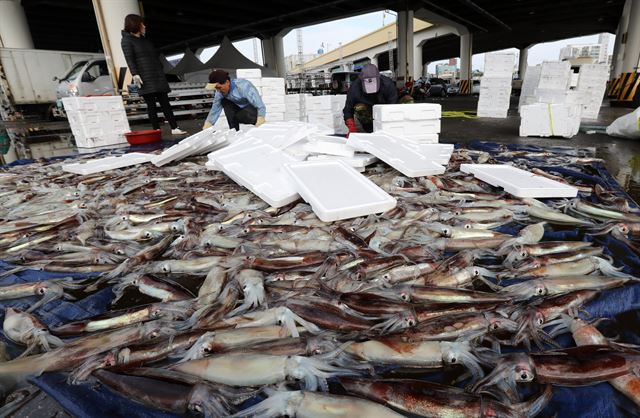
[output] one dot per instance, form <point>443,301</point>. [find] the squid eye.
<point>245,231</point>
<point>244,287</point>
<point>495,326</point>
<point>523,254</point>
<point>42,291</point>
<point>453,359</point>
<point>467,226</point>
<point>540,291</point>
<point>196,408</point>
<point>220,227</point>
<point>404,296</point>
<point>166,269</point>
<point>411,322</point>
<point>147,234</point>
<point>154,334</point>
<point>317,351</point>
<point>352,229</point>
<point>123,218</point>
<point>476,272</point>
<point>206,349</point>
<point>540,321</point>
<point>445,231</point>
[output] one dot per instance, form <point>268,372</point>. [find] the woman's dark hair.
<point>132,23</point>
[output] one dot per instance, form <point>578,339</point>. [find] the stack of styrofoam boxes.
<point>495,85</point>
<point>550,119</point>
<point>295,107</point>
<point>529,85</point>
<point>553,83</point>
<point>273,94</point>
<point>97,121</point>
<point>319,110</point>
<point>337,106</point>
<point>417,122</point>
<point>592,84</point>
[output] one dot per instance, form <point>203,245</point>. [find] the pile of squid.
<point>199,298</point>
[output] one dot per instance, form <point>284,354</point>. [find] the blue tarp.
<point>599,401</point>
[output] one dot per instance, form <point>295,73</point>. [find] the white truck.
<point>32,80</point>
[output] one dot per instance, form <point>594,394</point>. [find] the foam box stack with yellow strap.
<point>495,85</point>
<point>550,119</point>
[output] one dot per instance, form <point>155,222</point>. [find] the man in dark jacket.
<point>369,89</point>
<point>146,69</point>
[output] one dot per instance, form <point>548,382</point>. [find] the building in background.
<point>598,52</point>
<point>291,61</point>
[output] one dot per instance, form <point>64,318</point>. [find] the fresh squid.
<point>28,330</point>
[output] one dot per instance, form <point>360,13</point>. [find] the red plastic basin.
<point>144,137</point>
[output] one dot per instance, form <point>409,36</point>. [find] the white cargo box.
<point>93,103</point>
<point>542,119</point>
<point>359,160</point>
<point>337,191</point>
<point>519,183</point>
<point>431,126</point>
<point>318,103</point>
<point>502,83</point>
<point>108,163</point>
<point>273,82</point>
<point>411,112</point>
<point>329,145</point>
<point>275,107</point>
<point>260,169</point>
<point>397,153</point>
<point>273,99</point>
<point>248,73</point>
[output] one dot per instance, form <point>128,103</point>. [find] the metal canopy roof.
<point>173,25</point>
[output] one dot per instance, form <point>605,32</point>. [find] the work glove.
<point>137,80</point>
<point>351,125</point>
<point>206,125</point>
<point>259,121</point>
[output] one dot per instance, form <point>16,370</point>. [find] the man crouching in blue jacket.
<point>239,98</point>
<point>368,90</point>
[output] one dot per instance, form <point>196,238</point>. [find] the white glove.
<point>137,80</point>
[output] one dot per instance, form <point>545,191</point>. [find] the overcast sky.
<point>329,35</point>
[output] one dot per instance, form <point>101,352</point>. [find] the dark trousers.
<point>237,115</point>
<point>152,109</point>
<point>363,115</point>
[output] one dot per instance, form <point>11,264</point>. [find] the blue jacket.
<point>243,93</point>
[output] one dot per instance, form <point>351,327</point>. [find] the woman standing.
<point>146,68</point>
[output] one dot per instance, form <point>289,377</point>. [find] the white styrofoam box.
<point>499,65</point>
<point>271,91</point>
<point>337,191</point>
<point>93,103</point>
<point>275,108</point>
<point>555,68</point>
<point>275,116</point>
<point>496,83</point>
<point>339,126</point>
<point>273,100</point>
<point>298,151</point>
<point>401,112</point>
<point>322,119</point>
<point>495,113</point>
<point>359,159</point>
<point>257,82</point>
<point>553,82</point>
<point>273,82</point>
<point>550,95</point>
<point>431,126</point>
<point>108,163</point>
<point>318,102</point>
<point>329,145</point>
<point>295,98</point>
<point>395,152</point>
<point>495,93</point>
<point>104,141</point>
<point>338,102</point>
<point>420,138</point>
<point>545,119</point>
<point>439,153</point>
<point>259,169</point>
<point>518,182</point>
<point>280,134</point>
<point>248,73</point>
<point>200,143</point>
<point>529,84</point>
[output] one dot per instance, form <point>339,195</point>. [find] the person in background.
<point>370,89</point>
<point>239,98</point>
<point>145,66</point>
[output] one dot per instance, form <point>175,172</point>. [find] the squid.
<point>554,286</point>
<point>28,330</point>
<point>578,366</point>
<point>426,399</point>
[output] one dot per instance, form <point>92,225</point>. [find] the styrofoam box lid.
<point>280,135</point>
<point>108,163</point>
<point>397,153</point>
<point>248,73</point>
<point>519,183</point>
<point>337,191</point>
<point>440,153</point>
<point>401,112</point>
<point>359,160</point>
<point>259,169</point>
<point>325,144</point>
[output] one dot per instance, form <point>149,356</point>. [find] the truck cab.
<point>84,78</point>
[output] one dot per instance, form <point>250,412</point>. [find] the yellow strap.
<point>550,119</point>
<point>459,114</point>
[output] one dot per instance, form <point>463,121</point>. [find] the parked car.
<point>475,87</point>
<point>438,87</point>
<point>85,78</point>
<point>453,89</point>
